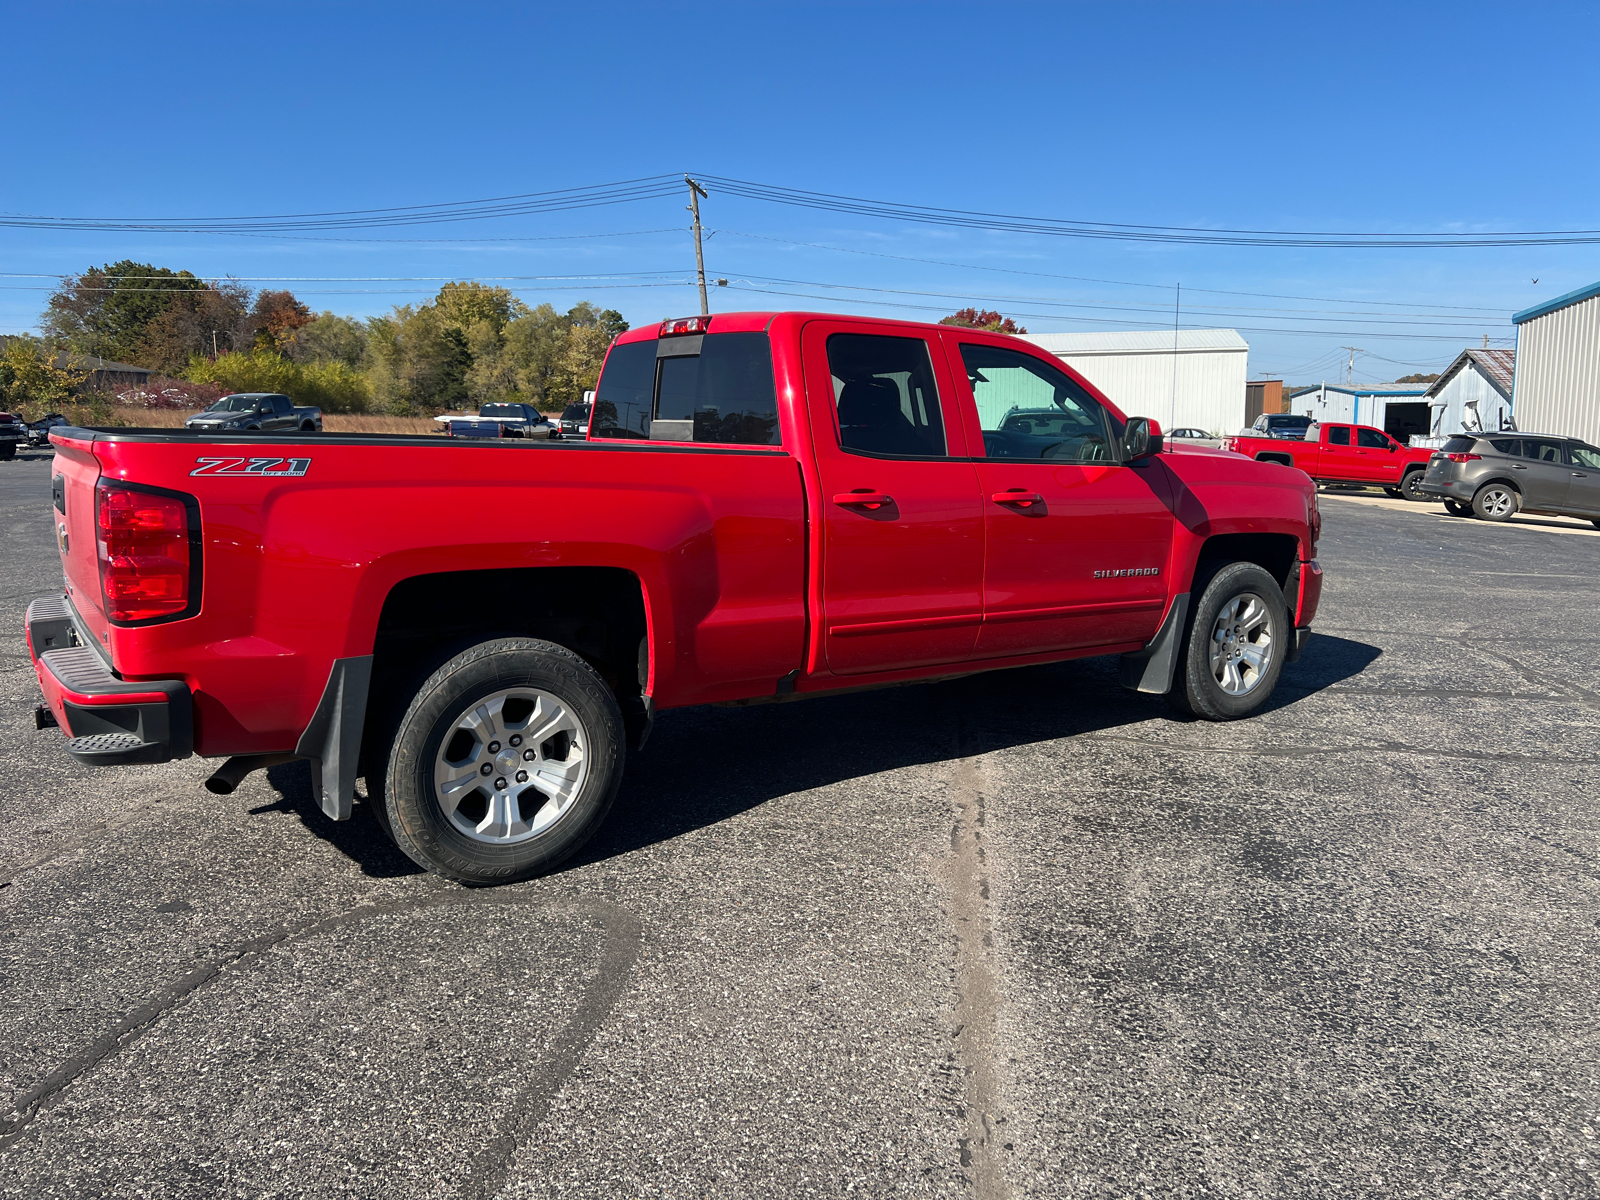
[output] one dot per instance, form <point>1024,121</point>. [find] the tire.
<point>1205,686</point>
<point>1395,492</point>
<point>1411,487</point>
<point>7,450</point>
<point>1457,509</point>
<point>308,427</point>
<point>471,715</point>
<point>1496,502</point>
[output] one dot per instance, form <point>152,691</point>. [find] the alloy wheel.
<point>1242,644</point>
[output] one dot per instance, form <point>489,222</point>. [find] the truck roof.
<point>757,322</point>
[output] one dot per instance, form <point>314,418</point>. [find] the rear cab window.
<point>713,388</point>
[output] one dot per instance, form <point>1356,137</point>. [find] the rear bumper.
<point>106,719</point>
<point>1454,489</point>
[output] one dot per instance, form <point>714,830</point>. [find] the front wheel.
<point>1411,487</point>
<point>1236,642</point>
<point>505,763</point>
<point>1496,502</point>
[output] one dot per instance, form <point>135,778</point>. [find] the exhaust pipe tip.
<point>231,774</point>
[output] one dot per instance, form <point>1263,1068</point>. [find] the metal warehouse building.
<point>1191,377</point>
<point>1399,410</point>
<point>1558,366</point>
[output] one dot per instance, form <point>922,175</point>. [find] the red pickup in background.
<point>1344,454</point>
<point>768,506</point>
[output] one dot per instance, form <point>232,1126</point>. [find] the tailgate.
<point>72,483</point>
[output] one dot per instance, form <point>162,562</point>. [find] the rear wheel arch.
<point>598,613</point>
<point>1272,456</point>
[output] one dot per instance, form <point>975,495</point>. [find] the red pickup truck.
<point>1344,454</point>
<point>768,506</point>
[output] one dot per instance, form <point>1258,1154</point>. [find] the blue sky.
<point>1376,119</point>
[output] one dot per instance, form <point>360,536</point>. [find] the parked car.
<point>256,412</point>
<point>1281,425</point>
<point>804,504</point>
<point>1189,436</point>
<point>1495,475</point>
<point>499,420</point>
<point>13,433</point>
<point>39,431</point>
<point>1338,453</point>
<point>574,421</point>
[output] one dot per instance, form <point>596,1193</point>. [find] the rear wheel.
<point>7,450</point>
<point>1496,502</point>
<point>1411,487</point>
<point>505,763</point>
<point>1395,492</point>
<point>1234,649</point>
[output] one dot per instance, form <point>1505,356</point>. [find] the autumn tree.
<point>278,317</point>
<point>973,318</point>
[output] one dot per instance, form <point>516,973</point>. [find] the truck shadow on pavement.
<point>705,765</point>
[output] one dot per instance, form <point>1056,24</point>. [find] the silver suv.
<point>1493,475</point>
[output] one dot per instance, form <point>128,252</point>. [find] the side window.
<point>1541,451</point>
<point>1371,439</point>
<point>715,387</point>
<point>1029,409</point>
<point>1584,456</point>
<point>1512,446</point>
<point>1338,435</point>
<point>887,401</point>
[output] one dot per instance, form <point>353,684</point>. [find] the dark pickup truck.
<point>256,412</point>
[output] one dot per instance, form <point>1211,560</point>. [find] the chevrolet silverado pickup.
<point>767,507</point>
<point>1344,454</point>
<point>256,412</point>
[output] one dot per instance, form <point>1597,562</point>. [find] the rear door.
<point>1583,492</point>
<point>1542,473</point>
<point>1377,456</point>
<point>1336,458</point>
<point>1076,544</point>
<point>902,556</point>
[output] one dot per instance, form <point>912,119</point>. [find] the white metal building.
<point>1399,405</point>
<point>1558,366</point>
<point>1473,394</point>
<point>1189,377</point>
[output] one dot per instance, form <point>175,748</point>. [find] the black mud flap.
<point>333,739</point>
<point>1152,668</point>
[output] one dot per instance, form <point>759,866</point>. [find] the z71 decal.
<point>274,467</point>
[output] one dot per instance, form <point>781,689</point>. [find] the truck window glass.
<point>282,405</point>
<point>885,393</point>
<point>1371,439</point>
<point>1029,409</point>
<point>625,394</point>
<point>723,395</point>
<point>1339,435</point>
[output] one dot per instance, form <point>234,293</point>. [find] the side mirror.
<point>1141,439</point>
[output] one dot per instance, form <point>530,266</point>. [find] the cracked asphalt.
<point>1022,934</point>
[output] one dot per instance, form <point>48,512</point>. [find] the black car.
<point>39,431</point>
<point>1291,426</point>
<point>574,420</point>
<point>13,433</point>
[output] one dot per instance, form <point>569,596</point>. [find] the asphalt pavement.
<point>1022,934</point>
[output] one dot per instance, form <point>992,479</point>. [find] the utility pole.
<point>695,192</point>
<point>1349,371</point>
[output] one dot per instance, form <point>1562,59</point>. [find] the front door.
<point>1583,493</point>
<point>1541,474</point>
<point>1076,544</point>
<point>1377,456</point>
<point>902,554</point>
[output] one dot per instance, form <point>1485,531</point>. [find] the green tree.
<point>331,386</point>
<point>107,310</point>
<point>418,360</point>
<point>330,338</point>
<point>31,384</point>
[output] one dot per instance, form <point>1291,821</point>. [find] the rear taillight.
<point>146,552</point>
<point>1463,457</point>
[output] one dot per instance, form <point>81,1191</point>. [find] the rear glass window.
<point>1541,451</point>
<point>577,411</point>
<point>1460,445</point>
<point>1339,435</point>
<point>724,394</point>
<point>501,410</point>
<point>1285,421</point>
<point>887,400</point>
<point>1503,445</point>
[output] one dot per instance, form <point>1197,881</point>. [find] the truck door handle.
<point>1018,497</point>
<point>864,499</point>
